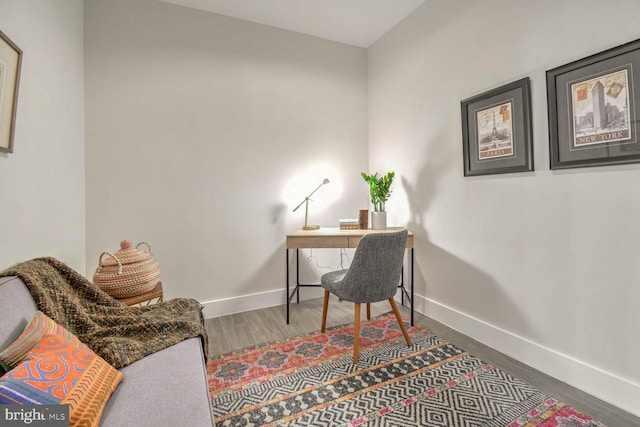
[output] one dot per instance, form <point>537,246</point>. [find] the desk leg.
<point>297,291</point>
<point>412,293</point>
<point>402,283</point>
<point>286,260</point>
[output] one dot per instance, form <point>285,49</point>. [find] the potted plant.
<point>380,190</point>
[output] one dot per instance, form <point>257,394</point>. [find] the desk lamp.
<point>306,208</point>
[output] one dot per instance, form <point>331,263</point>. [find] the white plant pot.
<point>379,220</point>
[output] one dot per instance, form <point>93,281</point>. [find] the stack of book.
<point>348,224</point>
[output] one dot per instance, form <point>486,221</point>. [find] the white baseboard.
<point>604,385</point>
<point>597,382</point>
<point>225,306</point>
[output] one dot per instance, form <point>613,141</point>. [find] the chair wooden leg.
<point>356,333</point>
<point>368,311</point>
<point>399,319</point>
<point>325,306</point>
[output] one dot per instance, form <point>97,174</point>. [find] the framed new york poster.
<point>592,109</point>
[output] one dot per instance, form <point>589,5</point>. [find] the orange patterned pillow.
<point>39,325</point>
<point>58,371</point>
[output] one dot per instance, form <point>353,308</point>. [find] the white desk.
<point>336,238</point>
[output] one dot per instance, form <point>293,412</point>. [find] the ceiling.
<point>354,22</point>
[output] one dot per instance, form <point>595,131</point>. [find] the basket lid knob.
<point>128,254</point>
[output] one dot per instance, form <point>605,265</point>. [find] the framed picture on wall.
<point>496,130</point>
<point>10,63</point>
<point>592,109</point>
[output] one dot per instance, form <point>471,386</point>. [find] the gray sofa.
<point>166,388</point>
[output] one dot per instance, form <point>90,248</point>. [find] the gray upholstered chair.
<point>373,276</point>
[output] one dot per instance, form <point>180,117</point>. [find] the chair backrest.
<point>375,271</point>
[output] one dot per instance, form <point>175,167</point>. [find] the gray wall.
<point>543,265</point>
<point>42,182</point>
<point>204,132</point>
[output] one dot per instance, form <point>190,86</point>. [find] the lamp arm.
<point>306,199</point>
<point>317,188</point>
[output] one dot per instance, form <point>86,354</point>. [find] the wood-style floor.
<point>239,330</point>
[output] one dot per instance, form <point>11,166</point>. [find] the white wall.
<point>197,123</point>
<point>542,266</point>
<point>42,182</point>
<point>204,132</point>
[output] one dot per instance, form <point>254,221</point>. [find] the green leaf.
<point>379,188</point>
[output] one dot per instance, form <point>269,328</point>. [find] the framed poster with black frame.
<point>496,130</point>
<point>592,109</point>
<point>10,63</point>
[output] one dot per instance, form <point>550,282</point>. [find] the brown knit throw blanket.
<point>118,333</point>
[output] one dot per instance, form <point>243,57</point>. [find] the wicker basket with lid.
<point>128,272</point>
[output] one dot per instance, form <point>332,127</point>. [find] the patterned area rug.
<point>311,381</point>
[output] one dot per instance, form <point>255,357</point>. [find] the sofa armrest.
<point>166,388</point>
<point>17,308</point>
